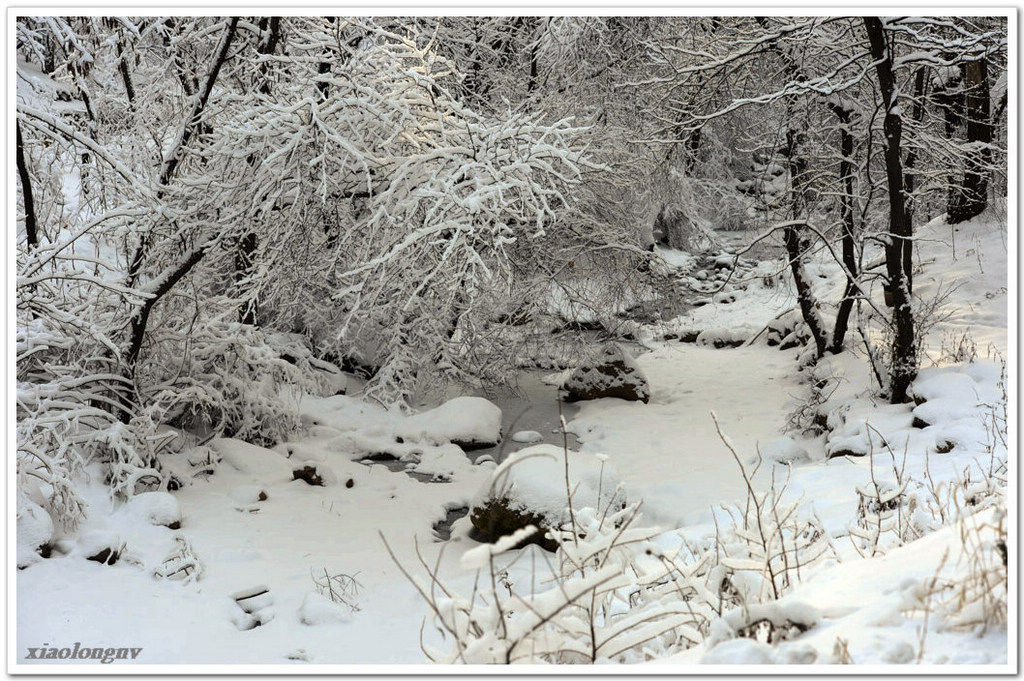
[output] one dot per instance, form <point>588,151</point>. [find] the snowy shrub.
<point>957,347</point>
<point>769,541</point>
<point>67,412</point>
<point>224,378</point>
<point>611,595</point>
<point>340,589</point>
<point>974,597</point>
<point>977,598</point>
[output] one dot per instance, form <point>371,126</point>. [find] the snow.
<point>318,610</point>
<point>34,529</point>
<point>249,524</point>
<point>463,419</point>
<point>526,436</point>
<point>157,508</point>
<point>478,558</point>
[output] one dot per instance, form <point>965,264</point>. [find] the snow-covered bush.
<point>612,596</point>
<point>620,592</point>
<point>224,377</point>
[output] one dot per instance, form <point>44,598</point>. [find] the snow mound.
<point>527,436</point>
<point>469,422</point>
<point>262,464</point>
<point>862,427</point>
<point>317,609</point>
<point>739,651</point>
<point>35,529</point>
<point>931,385</point>
<point>156,508</point>
<point>95,543</point>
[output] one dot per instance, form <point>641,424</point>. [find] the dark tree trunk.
<point>798,179</point>
<point>794,249</point>
<point>971,198</point>
<point>126,76</point>
<point>323,86</point>
<point>140,318</point>
<point>849,230</point>
<point>31,229</point>
<point>804,296</point>
<point>904,361</point>
<point>244,260</point>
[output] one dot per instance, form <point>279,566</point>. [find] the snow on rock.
<point>35,530</point>
<point>479,557</point>
<point>156,508</point>
<point>721,338</point>
<point>530,488</point>
<point>527,436</point>
<point>441,462</point>
<point>317,474</point>
<point>932,384</point>
<point>945,395</point>
<point>770,622</point>
<point>263,465</point>
<point>614,374</point>
<point>102,546</point>
<point>317,609</point>
<point>862,427</point>
<point>944,410</point>
<point>469,422</point>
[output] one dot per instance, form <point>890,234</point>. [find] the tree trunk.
<point>140,318</point>
<point>849,231</point>
<point>798,204</point>
<point>31,229</point>
<point>797,166</point>
<point>970,199</point>
<point>904,360</point>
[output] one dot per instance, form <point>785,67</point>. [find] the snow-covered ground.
<point>247,575</point>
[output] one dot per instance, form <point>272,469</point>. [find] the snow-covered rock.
<point>35,530</point>
<point>527,436</point>
<point>469,422</point>
<point>102,546</point>
<point>530,488</point>
<point>768,622</point>
<point>315,473</point>
<point>933,384</point>
<point>944,410</point>
<point>614,374</point>
<point>156,508</point>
